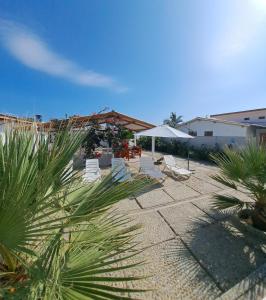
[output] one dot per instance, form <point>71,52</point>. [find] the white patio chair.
<point>92,170</point>
<point>147,167</point>
<point>170,164</point>
<point>119,170</point>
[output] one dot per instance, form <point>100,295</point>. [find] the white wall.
<point>219,129</point>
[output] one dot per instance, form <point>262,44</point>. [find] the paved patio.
<point>194,252</point>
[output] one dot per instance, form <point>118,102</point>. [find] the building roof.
<point>214,120</point>
<point>112,117</point>
<point>237,112</point>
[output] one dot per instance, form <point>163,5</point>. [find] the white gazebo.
<point>163,131</point>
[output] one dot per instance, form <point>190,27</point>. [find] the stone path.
<point>194,251</point>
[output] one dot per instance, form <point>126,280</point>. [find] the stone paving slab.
<point>220,254</point>
<point>155,230</point>
<point>201,186</point>
<point>126,205</point>
<point>206,177</point>
<point>153,198</point>
<point>254,237</point>
<point>148,189</point>
<point>242,196</point>
<point>171,278</point>
<point>257,292</point>
<point>252,287</point>
<point>227,258</point>
<point>182,218</point>
<point>206,205</point>
<point>182,192</point>
<point>169,181</point>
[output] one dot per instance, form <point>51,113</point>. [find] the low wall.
<point>216,141</point>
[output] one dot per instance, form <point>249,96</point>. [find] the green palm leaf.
<point>224,202</point>
<point>244,168</point>
<point>57,239</point>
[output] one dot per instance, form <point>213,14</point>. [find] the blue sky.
<point>144,58</point>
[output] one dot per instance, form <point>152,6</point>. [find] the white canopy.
<point>163,131</point>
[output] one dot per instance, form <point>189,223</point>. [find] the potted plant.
<point>244,169</point>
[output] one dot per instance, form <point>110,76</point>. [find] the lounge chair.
<point>176,171</point>
<point>92,170</point>
<point>119,170</point>
<point>147,167</point>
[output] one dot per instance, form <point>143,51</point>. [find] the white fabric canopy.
<point>163,131</point>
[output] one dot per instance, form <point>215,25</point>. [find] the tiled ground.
<point>194,251</point>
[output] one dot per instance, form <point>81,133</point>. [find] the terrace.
<point>194,251</point>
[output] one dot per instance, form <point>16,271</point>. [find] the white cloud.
<point>33,52</point>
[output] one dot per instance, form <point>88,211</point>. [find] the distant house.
<point>216,132</point>
<point>254,116</point>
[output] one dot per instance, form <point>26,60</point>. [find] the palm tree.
<point>246,170</point>
<point>173,121</point>
<point>58,239</point>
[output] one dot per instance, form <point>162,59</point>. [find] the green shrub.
<point>176,147</point>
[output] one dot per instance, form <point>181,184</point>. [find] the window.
<point>192,132</point>
<point>262,117</point>
<point>208,133</point>
<point>246,119</point>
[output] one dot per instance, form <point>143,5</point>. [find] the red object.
<point>98,154</point>
<point>136,150</point>
<point>127,152</point>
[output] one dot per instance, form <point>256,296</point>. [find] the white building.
<point>214,132</point>
<point>254,116</point>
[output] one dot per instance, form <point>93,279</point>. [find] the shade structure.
<point>166,132</point>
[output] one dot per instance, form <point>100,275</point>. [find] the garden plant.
<point>244,169</point>
<point>58,238</point>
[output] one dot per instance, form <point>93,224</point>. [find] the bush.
<point>175,147</point>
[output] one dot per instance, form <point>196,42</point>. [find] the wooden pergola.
<point>12,119</point>
<point>112,117</point>
<point>17,122</point>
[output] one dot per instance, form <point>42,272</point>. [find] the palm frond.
<point>87,264</point>
<point>224,202</point>
<point>246,168</point>
<point>57,240</point>
<point>225,181</point>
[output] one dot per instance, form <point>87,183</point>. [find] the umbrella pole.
<point>153,146</point>
<point>188,156</point>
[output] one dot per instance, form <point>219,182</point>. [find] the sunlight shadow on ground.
<point>222,250</point>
